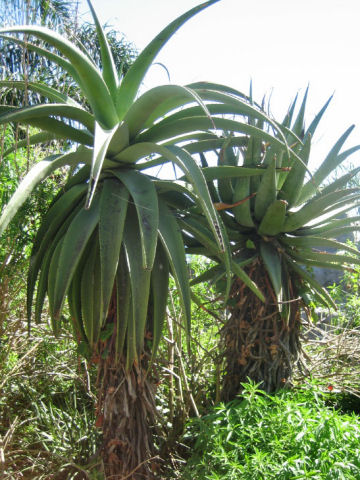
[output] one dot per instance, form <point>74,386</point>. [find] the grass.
<point>46,408</point>
<point>287,436</point>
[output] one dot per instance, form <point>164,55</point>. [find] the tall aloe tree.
<point>280,225</point>
<point>114,233</point>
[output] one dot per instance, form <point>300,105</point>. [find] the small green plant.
<point>346,296</point>
<point>287,436</point>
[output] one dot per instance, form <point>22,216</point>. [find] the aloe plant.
<point>114,233</point>
<point>280,226</point>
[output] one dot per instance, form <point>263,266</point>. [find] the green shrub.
<point>287,436</point>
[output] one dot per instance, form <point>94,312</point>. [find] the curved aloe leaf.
<point>315,242</point>
<point>134,77</point>
<point>41,290</point>
<point>139,113</point>
<point>51,288</point>
<point>266,193</point>
<point>228,171</point>
<point>324,257</point>
<point>192,173</point>
<point>312,282</point>
<point>57,59</point>
<point>334,233</point>
<point>51,125</point>
<point>322,203</point>
<point>88,301</point>
<point>298,127</point>
<point>40,171</point>
<point>144,196</point>
<point>92,83</point>
<point>123,304</point>
<point>54,224</point>
<point>332,160</point>
<point>208,145</point>
<point>204,235</point>
<point>272,263</point>
<point>140,283</point>
<point>113,208</point>
<point>75,241</point>
<point>179,127</point>
<point>273,220</point>
<point>311,130</point>
<point>173,245</point>
<point>293,184</point>
<point>101,142</point>
<point>217,87</point>
<point>341,182</point>
<point>107,59</point>
<point>159,288</point>
<point>44,90</point>
<point>242,212</point>
<point>46,111</point>
<point>225,104</point>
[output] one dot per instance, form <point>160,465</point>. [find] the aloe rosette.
<point>280,223</point>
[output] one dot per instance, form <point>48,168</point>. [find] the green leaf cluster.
<point>287,436</point>
<point>279,212</point>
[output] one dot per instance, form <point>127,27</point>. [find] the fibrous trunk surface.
<point>126,409</point>
<point>258,342</point>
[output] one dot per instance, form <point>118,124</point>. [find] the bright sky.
<point>282,45</point>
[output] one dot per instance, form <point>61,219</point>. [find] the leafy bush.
<point>288,436</point>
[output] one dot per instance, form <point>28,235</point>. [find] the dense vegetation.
<point>166,297</point>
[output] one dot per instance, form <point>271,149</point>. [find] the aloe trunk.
<point>258,342</point>
<point>126,413</point>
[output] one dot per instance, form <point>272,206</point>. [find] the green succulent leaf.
<point>40,171</point>
<point>172,241</point>
<point>326,299</point>
<point>51,288</point>
<point>159,289</point>
<point>48,124</point>
<point>107,60</point>
<point>266,193</point>
<point>44,90</point>
<point>272,262</point>
<point>75,240</point>
<point>130,85</point>
<point>101,143</point>
<point>332,160</point>
<point>229,172</point>
<point>143,193</point>
<point>274,218</point>
<point>43,52</point>
<point>92,83</point>
<point>34,113</point>
<point>113,208</point>
<point>323,204</point>
<point>316,242</point>
<point>89,285</point>
<point>140,287</point>
<point>293,184</point>
<point>242,212</point>
<point>123,305</point>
